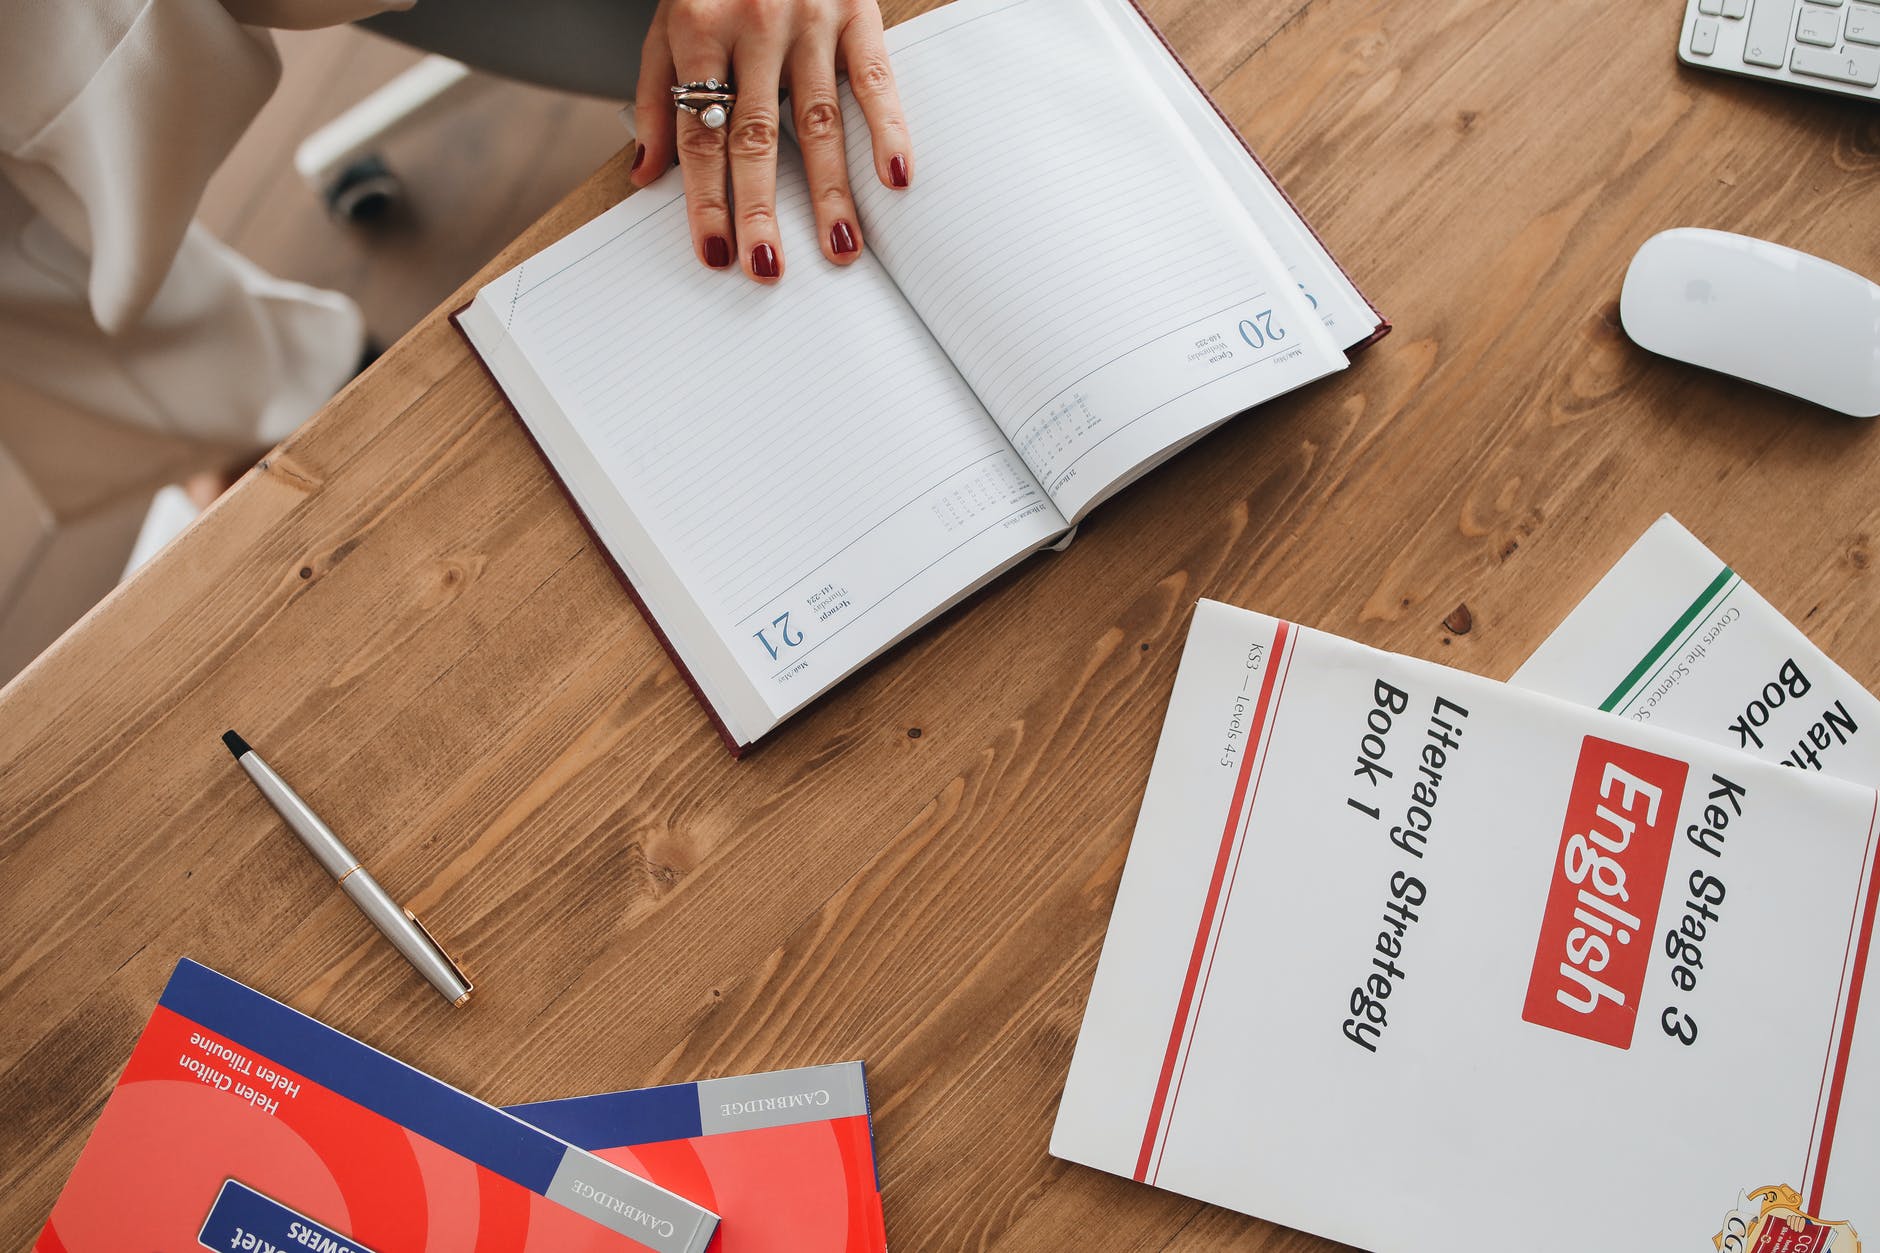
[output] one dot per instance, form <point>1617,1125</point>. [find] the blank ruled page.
<point>804,457</point>
<point>1348,317</point>
<point>1065,242</point>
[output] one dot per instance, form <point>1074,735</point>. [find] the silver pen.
<point>399,925</point>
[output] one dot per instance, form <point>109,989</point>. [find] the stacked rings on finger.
<point>710,100</point>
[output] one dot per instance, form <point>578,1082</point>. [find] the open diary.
<point>1091,271</point>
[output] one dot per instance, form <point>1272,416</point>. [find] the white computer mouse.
<point>1760,312</point>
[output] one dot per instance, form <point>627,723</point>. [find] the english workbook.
<point>1421,961</point>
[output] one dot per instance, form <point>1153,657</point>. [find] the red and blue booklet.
<point>241,1124</point>
<point>787,1158</point>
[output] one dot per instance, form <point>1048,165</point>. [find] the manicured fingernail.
<point>841,238</point>
<point>717,252</point>
<point>639,155</point>
<point>897,170</point>
<point>764,261</point>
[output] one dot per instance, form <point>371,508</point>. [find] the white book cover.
<point>1420,961</point>
<point>1674,637</point>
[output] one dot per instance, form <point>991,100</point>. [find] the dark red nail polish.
<point>717,252</point>
<point>639,155</point>
<point>841,238</point>
<point>764,261</point>
<point>897,170</point>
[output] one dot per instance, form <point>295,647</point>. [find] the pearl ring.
<point>711,100</point>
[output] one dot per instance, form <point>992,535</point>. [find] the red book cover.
<point>786,1159</point>
<point>242,1124</point>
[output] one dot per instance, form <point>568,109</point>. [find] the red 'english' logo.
<point>1602,908</point>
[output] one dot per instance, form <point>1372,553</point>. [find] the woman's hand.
<point>731,173</point>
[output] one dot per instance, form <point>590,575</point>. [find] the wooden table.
<point>400,610</point>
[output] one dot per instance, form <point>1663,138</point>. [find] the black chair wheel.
<point>364,191</point>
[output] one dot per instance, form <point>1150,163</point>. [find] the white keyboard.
<point>1830,45</point>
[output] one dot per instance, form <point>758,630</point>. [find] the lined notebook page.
<point>1070,248</point>
<point>804,457</point>
<point>1347,316</point>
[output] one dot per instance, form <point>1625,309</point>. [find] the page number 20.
<point>1259,330</point>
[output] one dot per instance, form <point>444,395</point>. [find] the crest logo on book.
<point>1770,1220</point>
<point>1602,907</point>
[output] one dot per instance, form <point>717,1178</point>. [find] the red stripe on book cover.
<point>1819,1186</point>
<point>633,593</point>
<point>1222,857</point>
<point>1227,899</point>
<point>1383,323</point>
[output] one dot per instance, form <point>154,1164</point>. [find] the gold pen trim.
<point>468,986</point>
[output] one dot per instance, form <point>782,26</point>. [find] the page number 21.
<point>780,624</point>
<point>1259,330</point>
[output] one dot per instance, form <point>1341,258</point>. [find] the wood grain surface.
<point>401,613</point>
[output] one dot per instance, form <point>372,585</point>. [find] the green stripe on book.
<point>1665,641</point>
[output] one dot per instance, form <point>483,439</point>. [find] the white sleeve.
<point>113,115</point>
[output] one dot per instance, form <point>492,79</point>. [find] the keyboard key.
<point>1863,25</point>
<point>1704,36</point>
<point>1768,35</point>
<point>1821,27</point>
<point>1710,8</point>
<point>1832,3</point>
<point>1850,65</point>
<point>1735,8</point>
